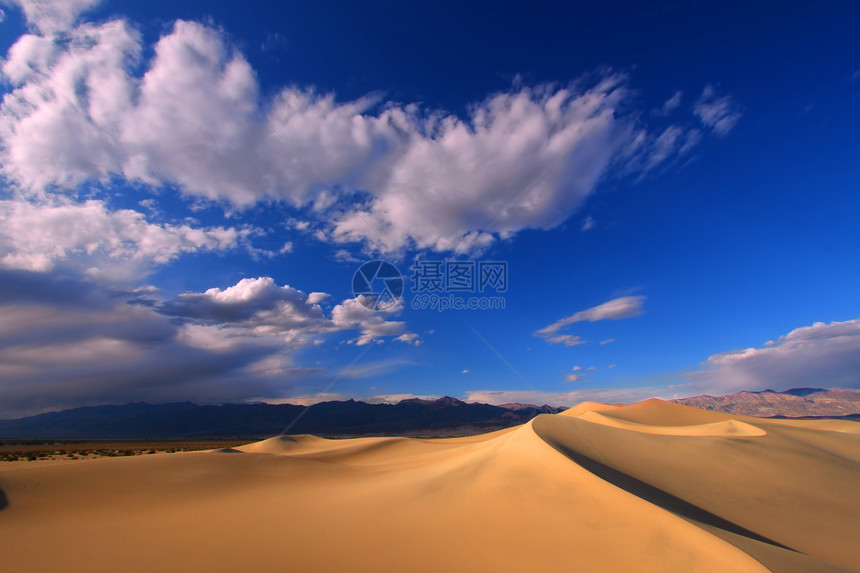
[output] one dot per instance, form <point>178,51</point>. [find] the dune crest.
<point>584,407</point>
<point>722,428</point>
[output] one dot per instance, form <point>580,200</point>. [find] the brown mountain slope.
<point>794,403</point>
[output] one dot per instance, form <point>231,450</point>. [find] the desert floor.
<point>650,487</point>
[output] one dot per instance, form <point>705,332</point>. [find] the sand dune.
<point>648,487</point>
<point>585,407</point>
<point>722,428</point>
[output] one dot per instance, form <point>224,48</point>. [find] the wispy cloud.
<point>615,309</point>
<point>720,113</point>
<point>672,103</point>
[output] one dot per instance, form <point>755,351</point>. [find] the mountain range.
<point>445,416</point>
<point>412,417</point>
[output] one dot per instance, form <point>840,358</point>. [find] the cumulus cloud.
<point>261,307</point>
<point>615,309</point>
<point>388,175</point>
<point>371,324</point>
<point>63,122</point>
<point>51,16</point>
<point>522,159</point>
<point>821,355</point>
<point>256,304</point>
<point>720,113</point>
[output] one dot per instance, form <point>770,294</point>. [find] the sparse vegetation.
<point>13,451</point>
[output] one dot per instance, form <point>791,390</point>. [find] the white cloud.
<point>388,175</point>
<point>588,223</point>
<point>371,324</point>
<point>566,339</point>
<point>720,113</point>
<point>672,103</point>
<point>260,307</point>
<point>51,16</point>
<point>615,309</point>
<point>607,341</point>
<point>666,145</point>
<point>317,297</point>
<point>61,125</point>
<point>88,237</point>
<point>256,307</point>
<point>344,256</point>
<point>79,114</point>
<point>520,160</point>
<point>821,355</point>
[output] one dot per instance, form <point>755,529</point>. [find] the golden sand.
<point>650,487</point>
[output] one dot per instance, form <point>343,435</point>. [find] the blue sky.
<point>189,188</point>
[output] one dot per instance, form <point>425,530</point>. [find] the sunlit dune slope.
<point>722,428</point>
<point>647,487</point>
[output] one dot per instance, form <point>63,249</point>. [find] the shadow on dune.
<point>659,497</point>
<point>4,502</point>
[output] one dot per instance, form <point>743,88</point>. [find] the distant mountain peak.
<point>518,406</point>
<point>443,401</point>
<point>803,391</point>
